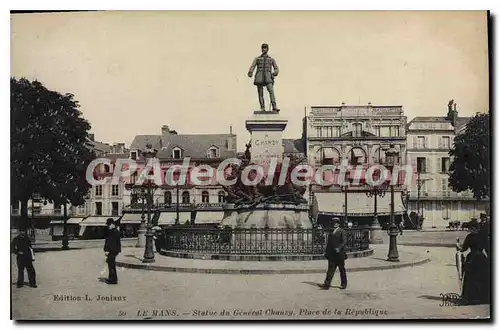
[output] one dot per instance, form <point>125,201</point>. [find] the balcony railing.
<point>443,194</point>
<point>258,241</point>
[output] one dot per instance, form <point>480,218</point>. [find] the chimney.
<point>91,137</point>
<point>165,130</point>
<point>231,129</point>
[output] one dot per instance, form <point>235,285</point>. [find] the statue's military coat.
<point>264,74</point>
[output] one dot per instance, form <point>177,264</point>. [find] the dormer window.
<point>133,155</point>
<point>213,152</point>
<point>177,153</point>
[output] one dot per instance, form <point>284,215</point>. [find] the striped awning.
<point>208,217</point>
<point>358,204</point>
<point>168,218</point>
<point>71,221</point>
<point>96,221</point>
<point>131,218</point>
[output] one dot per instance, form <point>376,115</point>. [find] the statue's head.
<point>265,48</point>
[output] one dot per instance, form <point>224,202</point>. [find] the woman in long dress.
<point>476,280</point>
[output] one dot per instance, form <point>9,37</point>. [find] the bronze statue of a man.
<point>267,69</point>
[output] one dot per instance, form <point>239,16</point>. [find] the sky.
<point>133,72</point>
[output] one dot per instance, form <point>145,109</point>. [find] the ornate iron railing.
<point>257,241</point>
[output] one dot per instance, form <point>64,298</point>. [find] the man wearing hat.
<point>112,246</point>
<point>267,69</point>
<point>21,247</point>
<point>335,254</point>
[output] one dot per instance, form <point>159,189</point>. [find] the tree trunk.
<point>65,242</point>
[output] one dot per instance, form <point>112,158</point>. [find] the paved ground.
<point>132,258</point>
<point>65,276</point>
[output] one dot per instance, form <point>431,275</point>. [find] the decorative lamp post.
<point>392,159</point>
<point>376,229</point>
<point>177,203</point>
<point>149,256</point>
<point>346,187</point>
<point>138,193</point>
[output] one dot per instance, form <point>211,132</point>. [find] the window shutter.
<point>427,164</point>
<point>438,168</point>
<point>415,142</point>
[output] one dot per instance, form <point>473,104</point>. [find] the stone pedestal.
<point>266,129</point>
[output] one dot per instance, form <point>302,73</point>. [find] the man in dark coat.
<point>21,246</point>
<point>112,247</point>
<point>335,253</point>
<point>267,69</point>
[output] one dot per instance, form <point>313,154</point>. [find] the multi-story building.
<point>429,141</point>
<point>359,136</point>
<point>194,203</point>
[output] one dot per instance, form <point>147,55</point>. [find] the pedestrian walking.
<point>335,254</point>
<point>476,277</point>
<point>112,247</point>
<point>21,247</point>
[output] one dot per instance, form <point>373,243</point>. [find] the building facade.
<point>430,140</point>
<point>358,136</point>
<point>192,203</point>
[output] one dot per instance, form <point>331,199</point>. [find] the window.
<point>444,185</point>
<point>81,209</point>
<point>213,152</point>
<point>133,155</point>
<point>378,156</point>
<point>445,164</point>
<point>98,208</point>
<point>167,197</point>
<point>185,197</point>
<point>222,197</point>
<point>114,208</point>
<point>357,130</point>
<point>377,130</point>
<point>357,156</point>
<point>177,153</point>
<point>98,190</point>
<point>336,131</point>
<point>318,131</point>
<point>446,210</point>
<point>421,164</point>
<point>446,142</point>
<point>205,197</point>
<point>329,131</point>
<point>385,131</point>
<point>115,190</point>
<point>421,142</point>
<point>394,130</point>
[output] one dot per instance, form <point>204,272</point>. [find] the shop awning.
<point>71,221</point>
<point>168,218</point>
<point>208,217</point>
<point>96,221</point>
<point>131,218</point>
<point>358,204</point>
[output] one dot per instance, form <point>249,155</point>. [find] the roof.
<point>430,119</point>
<point>461,121</point>
<point>101,146</point>
<point>193,145</point>
<point>293,146</point>
<point>140,142</point>
<point>196,145</point>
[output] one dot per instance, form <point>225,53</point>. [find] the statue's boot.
<point>275,108</point>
